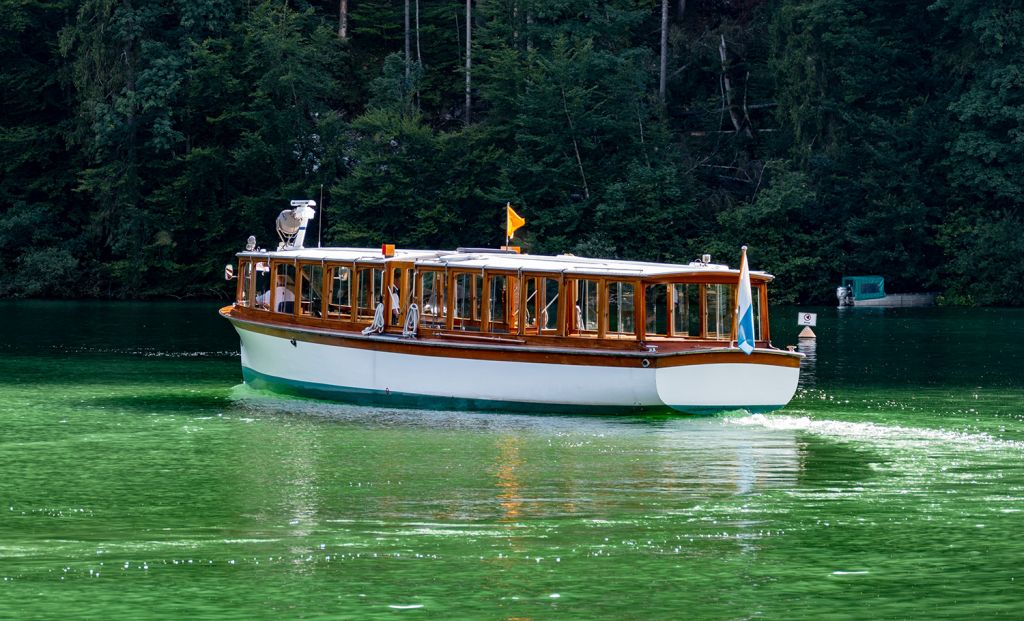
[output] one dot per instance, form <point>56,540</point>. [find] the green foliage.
<point>390,191</point>
<point>396,88</point>
<point>985,248</point>
<point>988,133</point>
<point>868,139</point>
<point>653,200</point>
<point>141,142</point>
<point>796,253</point>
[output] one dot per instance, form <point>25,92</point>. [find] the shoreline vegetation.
<point>141,143</point>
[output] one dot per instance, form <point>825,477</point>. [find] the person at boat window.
<point>282,293</point>
<point>396,303</point>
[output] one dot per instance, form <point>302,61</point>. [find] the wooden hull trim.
<point>520,353</point>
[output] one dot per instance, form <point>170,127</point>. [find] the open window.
<point>498,302</point>
<point>656,304</point>
<point>431,297</point>
<point>755,304</point>
<point>311,304</point>
<point>685,309</point>
<point>398,297</point>
<point>243,297</point>
<point>282,296</point>
<point>468,299</point>
<point>621,308</point>
<point>261,286</point>
<point>586,315</point>
<point>340,305</point>
<point>720,308</point>
<point>369,291</point>
<point>550,315</point>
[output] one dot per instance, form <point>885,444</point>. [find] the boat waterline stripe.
<point>386,398</point>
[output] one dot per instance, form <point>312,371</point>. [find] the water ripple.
<point>873,432</point>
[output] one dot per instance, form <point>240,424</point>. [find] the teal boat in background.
<point>870,291</point>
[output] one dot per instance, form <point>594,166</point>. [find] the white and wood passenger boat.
<point>496,330</point>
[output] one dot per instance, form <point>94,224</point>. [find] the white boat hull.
<point>372,375</point>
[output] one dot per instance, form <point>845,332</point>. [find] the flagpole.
<point>513,221</point>
<point>508,240</point>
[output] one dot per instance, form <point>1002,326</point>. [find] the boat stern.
<point>723,380</point>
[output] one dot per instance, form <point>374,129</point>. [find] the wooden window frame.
<point>329,289</point>
<point>274,267</point>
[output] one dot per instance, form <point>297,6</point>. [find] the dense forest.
<point>142,141</point>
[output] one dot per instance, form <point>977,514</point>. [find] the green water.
<point>139,481</point>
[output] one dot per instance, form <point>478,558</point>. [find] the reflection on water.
<point>510,493</point>
<point>809,365</point>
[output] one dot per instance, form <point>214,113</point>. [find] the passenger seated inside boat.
<point>282,293</point>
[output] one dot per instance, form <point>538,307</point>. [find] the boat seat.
<point>286,307</point>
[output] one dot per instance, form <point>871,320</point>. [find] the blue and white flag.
<point>744,309</point>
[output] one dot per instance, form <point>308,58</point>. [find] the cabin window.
<point>531,304</point>
<point>244,282</point>
<point>432,298</point>
<point>755,303</point>
<point>312,297</point>
<point>620,308</point>
<point>395,296</point>
<point>341,294</point>
<point>550,301</point>
<point>497,298</point>
<point>720,310</point>
<point>656,310</point>
<point>283,294</point>
<point>512,301</point>
<point>541,308</point>
<point>261,286</point>
<point>586,305</point>
<point>369,289</point>
<point>468,296</point>
<point>686,310</point>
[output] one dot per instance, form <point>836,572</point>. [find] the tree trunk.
<point>407,42</point>
<point>575,145</point>
<point>343,19</point>
<point>664,51</point>
<point>419,56</point>
<point>734,115</point>
<point>469,57</point>
<point>680,10</point>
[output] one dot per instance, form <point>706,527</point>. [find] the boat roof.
<point>498,260</point>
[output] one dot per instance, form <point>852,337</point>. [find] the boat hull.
<point>899,300</point>
<point>393,372</point>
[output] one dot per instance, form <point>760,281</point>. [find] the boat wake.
<point>146,352</point>
<point>878,433</point>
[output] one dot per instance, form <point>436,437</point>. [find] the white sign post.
<point>807,319</point>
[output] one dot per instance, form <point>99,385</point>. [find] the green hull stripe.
<point>383,398</point>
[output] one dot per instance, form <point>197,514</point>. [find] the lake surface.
<point>139,480</point>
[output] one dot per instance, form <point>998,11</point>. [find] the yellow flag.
<point>512,221</point>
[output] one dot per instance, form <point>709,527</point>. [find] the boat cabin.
<point>486,295</point>
<point>864,287</point>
